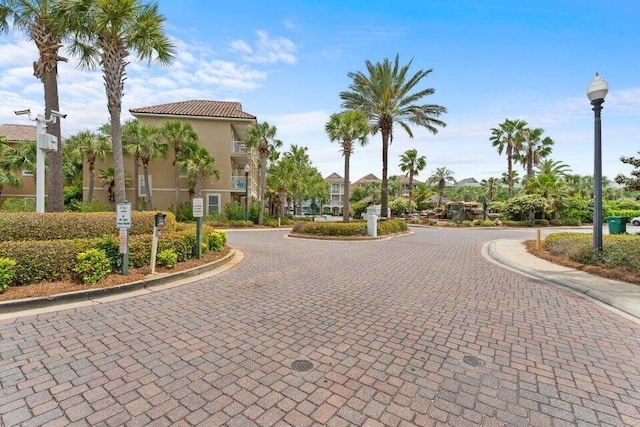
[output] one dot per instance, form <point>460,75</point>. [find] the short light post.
<point>44,143</point>
<point>596,91</point>
<point>247,169</point>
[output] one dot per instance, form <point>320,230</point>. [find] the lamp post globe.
<point>596,92</point>
<point>247,169</point>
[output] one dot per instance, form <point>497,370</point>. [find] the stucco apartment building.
<point>221,127</point>
<point>15,136</point>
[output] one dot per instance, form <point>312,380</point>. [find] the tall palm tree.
<point>41,21</point>
<point>178,133</point>
<point>132,146</point>
<point>108,178</point>
<point>533,150</point>
<point>105,34</point>
<point>89,146</point>
<point>412,164</point>
<point>347,127</point>
<point>386,96</point>
<point>22,158</point>
<point>262,138</point>
<point>554,168</point>
<point>197,167</point>
<point>151,147</point>
<point>490,186</point>
<point>507,137</point>
<point>440,177</point>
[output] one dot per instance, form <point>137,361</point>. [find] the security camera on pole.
<point>45,142</point>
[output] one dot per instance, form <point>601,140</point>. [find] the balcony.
<point>238,182</point>
<point>239,147</point>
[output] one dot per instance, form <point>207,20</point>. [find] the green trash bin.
<point>617,224</point>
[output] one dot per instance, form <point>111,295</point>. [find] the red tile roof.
<point>197,108</point>
<point>18,132</point>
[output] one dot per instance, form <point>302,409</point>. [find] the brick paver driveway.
<point>416,330</point>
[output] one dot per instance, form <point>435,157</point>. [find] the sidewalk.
<point>620,295</point>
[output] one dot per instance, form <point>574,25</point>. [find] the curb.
<point>488,249</point>
<point>89,294</point>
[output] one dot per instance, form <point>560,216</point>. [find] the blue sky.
<point>287,62</point>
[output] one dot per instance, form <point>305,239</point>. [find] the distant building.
<point>367,179</point>
<point>15,136</point>
<point>336,195</point>
<point>468,182</point>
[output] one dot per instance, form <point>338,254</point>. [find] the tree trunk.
<point>147,189</point>
<point>263,178</point>
<point>56,176</point>
<point>92,177</point>
<point>530,163</point>
<point>136,187</point>
<point>510,169</point>
<point>176,177</point>
<point>198,187</point>
<point>384,197</point>
<point>346,206</point>
<point>410,190</point>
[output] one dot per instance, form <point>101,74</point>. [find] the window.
<point>335,188</point>
<point>141,190</point>
<point>27,173</point>
<point>213,203</point>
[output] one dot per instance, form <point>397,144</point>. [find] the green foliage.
<point>526,207</point>
<point>496,206</point>
<point>399,206</point>
<point>254,212</point>
<point>184,212</point>
<point>392,226</point>
<point>168,258</point>
<point>357,209</point>
<point>7,273</point>
<point>72,193</point>
<point>111,247</point>
<point>73,225</point>
<point>355,228</point>
<point>239,224</point>
<point>93,206</point>
<point>483,223</point>
<point>541,222</point>
<point>234,212</point>
<point>577,209</point>
<point>215,240</point>
<point>466,223</point>
<point>618,251</point>
<point>16,204</point>
<point>92,266</point>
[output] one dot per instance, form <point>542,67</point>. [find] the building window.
<point>335,188</point>
<point>141,189</point>
<point>27,173</point>
<point>213,203</point>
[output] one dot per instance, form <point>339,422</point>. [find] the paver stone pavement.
<point>414,330</point>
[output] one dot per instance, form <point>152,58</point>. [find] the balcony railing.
<point>238,182</point>
<point>239,147</point>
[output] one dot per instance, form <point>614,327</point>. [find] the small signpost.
<point>123,222</point>
<point>198,213</point>
<point>158,223</point>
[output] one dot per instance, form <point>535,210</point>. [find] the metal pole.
<point>246,195</point>
<point>199,237</point>
<point>597,176</point>
<point>41,130</point>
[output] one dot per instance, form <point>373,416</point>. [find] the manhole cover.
<point>472,361</point>
<point>302,365</point>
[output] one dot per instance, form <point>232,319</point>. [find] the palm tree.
<point>131,146</point>
<point>386,97</point>
<point>554,168</point>
<point>262,137</point>
<point>197,167</point>
<point>508,138</point>
<point>41,21</point>
<point>441,176</point>
<point>151,147</point>
<point>89,146</point>
<point>490,186</point>
<point>551,187</point>
<point>412,164</point>
<point>347,127</point>
<point>106,33</point>
<point>19,159</point>
<point>108,178</point>
<point>7,176</point>
<point>422,192</point>
<point>534,149</point>
<point>178,133</point>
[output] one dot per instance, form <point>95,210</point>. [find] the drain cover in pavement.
<point>472,360</point>
<point>302,365</point>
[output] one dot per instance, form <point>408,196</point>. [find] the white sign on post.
<point>198,207</point>
<point>123,215</point>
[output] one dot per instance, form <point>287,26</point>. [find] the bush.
<point>72,193</point>
<point>483,223</point>
<point>392,226</point>
<point>7,273</point>
<point>541,222</point>
<point>111,247</point>
<point>168,258</point>
<point>357,209</point>
<point>184,212</point>
<point>73,225</point>
<point>92,266</point>
<point>526,207</point>
<point>239,224</point>
<point>92,206</point>
<point>354,228</point>
<point>234,212</point>
<point>16,204</point>
<point>466,223</point>
<point>254,213</point>
<point>215,240</point>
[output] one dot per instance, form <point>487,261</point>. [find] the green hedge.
<point>354,228</point>
<point>619,250</point>
<point>73,225</point>
<point>47,261</point>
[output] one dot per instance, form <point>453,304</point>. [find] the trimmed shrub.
<point>215,240</point>
<point>7,273</point>
<point>92,266</point>
<point>483,223</point>
<point>392,226</point>
<point>72,225</point>
<point>240,224</point>
<point>234,212</point>
<point>92,206</point>
<point>358,228</point>
<point>168,258</point>
<point>184,212</point>
<point>111,247</point>
<point>16,204</point>
<point>541,222</point>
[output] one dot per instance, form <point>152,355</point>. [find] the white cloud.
<point>299,123</point>
<point>18,53</point>
<point>266,50</point>
<point>289,24</point>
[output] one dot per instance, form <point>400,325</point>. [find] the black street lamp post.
<point>247,168</point>
<point>596,92</point>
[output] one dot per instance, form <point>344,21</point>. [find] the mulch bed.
<point>45,289</point>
